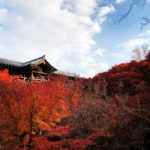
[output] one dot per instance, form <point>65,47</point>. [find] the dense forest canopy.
<point>109,111</point>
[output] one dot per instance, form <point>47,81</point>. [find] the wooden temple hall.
<point>36,69</point>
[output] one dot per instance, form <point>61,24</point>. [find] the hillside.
<point>108,112</point>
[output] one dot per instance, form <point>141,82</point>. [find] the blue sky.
<point>117,38</point>
<point>76,35</point>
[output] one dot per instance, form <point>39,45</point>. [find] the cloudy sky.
<point>75,35</point>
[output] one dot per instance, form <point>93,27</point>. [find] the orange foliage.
<point>97,113</point>
<point>4,75</point>
<point>28,109</point>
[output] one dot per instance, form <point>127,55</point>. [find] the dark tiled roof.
<point>20,64</point>
<point>34,61</point>
<point>10,62</point>
<point>68,74</point>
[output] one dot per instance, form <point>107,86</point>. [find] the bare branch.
<point>133,4</point>
<point>145,21</point>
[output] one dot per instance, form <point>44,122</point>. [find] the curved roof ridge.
<point>34,60</point>
<point>10,62</point>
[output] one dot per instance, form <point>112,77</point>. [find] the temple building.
<point>36,69</point>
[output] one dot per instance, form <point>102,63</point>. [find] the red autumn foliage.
<point>107,112</point>
<point>124,78</point>
<point>30,109</point>
<point>148,57</point>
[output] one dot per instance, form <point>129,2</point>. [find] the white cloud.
<point>3,14</point>
<point>117,55</point>
<point>104,66</point>
<point>148,31</point>
<point>104,12</point>
<point>119,1</point>
<point>136,42</point>
<point>144,34</point>
<point>61,29</point>
<point>85,7</point>
<point>128,46</point>
<point>80,7</point>
<point>1,28</point>
<point>100,52</point>
<point>92,67</point>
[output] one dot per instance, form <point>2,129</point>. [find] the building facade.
<point>36,69</point>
